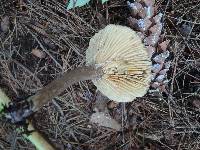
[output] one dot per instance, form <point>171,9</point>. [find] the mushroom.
<point>116,61</point>
<point>124,61</point>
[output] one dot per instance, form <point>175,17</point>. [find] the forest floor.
<point>39,40</point>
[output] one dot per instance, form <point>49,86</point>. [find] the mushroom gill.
<point>124,60</point>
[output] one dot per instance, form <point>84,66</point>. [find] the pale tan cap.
<point>125,62</point>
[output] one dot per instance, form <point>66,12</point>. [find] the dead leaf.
<point>196,103</point>
<point>5,23</point>
<point>38,53</point>
<point>105,120</point>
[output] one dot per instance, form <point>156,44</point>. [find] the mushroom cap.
<point>124,61</point>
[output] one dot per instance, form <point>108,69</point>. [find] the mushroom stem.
<point>37,139</point>
<point>34,137</point>
<point>60,84</point>
<point>21,110</point>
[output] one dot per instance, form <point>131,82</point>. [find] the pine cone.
<point>147,22</point>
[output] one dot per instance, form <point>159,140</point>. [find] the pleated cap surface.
<point>125,62</point>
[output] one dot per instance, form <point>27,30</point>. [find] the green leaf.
<point>76,3</point>
<point>4,100</point>
<point>103,1</point>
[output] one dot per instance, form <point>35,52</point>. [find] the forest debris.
<point>196,103</point>
<point>101,19</point>
<point>112,104</point>
<point>104,119</point>
<point>5,23</point>
<point>164,44</point>
<point>101,102</point>
<point>101,116</point>
<point>38,53</point>
<point>151,50</point>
